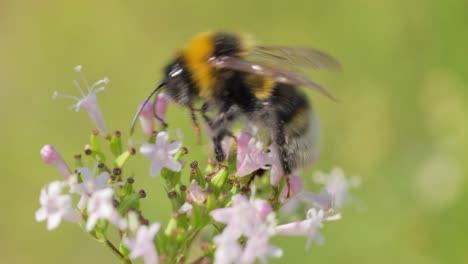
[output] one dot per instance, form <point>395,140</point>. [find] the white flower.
<point>253,219</point>
<point>89,100</point>
<point>228,250</point>
<point>142,245</point>
<point>308,227</point>
<point>161,154</point>
<point>258,247</point>
<point>336,186</point>
<point>89,185</point>
<point>100,206</point>
<point>55,206</point>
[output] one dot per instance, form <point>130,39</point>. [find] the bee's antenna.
<point>135,118</point>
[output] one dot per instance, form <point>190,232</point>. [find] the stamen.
<point>77,85</point>
<point>56,95</point>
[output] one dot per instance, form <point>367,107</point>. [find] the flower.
<point>100,206</point>
<point>227,251</point>
<point>294,188</point>
<point>147,119</point>
<point>51,156</point>
<point>336,186</point>
<point>253,219</point>
<point>88,101</point>
<point>250,155</point>
<point>276,171</point>
<point>89,185</point>
<point>55,206</point>
<point>160,107</point>
<point>142,245</point>
<point>161,154</point>
<point>258,247</point>
<point>196,193</point>
<point>308,227</point>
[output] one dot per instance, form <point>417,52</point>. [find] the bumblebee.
<point>238,80</point>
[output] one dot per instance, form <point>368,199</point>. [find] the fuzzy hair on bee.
<point>238,80</point>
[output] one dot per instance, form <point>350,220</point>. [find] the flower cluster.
<point>241,199</point>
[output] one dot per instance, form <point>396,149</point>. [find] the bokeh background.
<point>401,123</point>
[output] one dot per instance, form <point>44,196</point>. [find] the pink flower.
<point>160,106</point>
<point>276,166</point>
<point>55,206</point>
<point>89,185</point>
<point>100,206</point>
<point>196,193</point>
<point>294,188</point>
<point>161,154</point>
<point>89,100</point>
<point>142,245</point>
<point>51,156</point>
<point>309,227</point>
<point>250,155</point>
<point>147,119</point>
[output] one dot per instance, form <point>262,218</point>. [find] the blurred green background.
<point>401,123</point>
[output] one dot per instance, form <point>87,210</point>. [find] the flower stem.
<point>117,252</point>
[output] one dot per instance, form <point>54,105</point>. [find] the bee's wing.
<point>296,56</point>
<point>275,73</point>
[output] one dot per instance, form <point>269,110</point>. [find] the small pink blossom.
<point>51,156</point>
<point>89,100</point>
<point>55,206</point>
<point>276,172</point>
<point>294,188</point>
<point>161,154</point>
<point>89,185</point>
<point>100,206</point>
<point>196,193</point>
<point>250,155</point>
<point>147,118</point>
<point>309,227</point>
<point>160,106</point>
<point>142,244</point>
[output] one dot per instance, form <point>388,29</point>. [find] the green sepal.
<point>122,159</point>
<point>171,227</point>
<point>219,179</point>
<point>93,141</point>
<point>116,145</point>
<point>130,201</point>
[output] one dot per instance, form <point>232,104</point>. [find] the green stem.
<point>117,252</point>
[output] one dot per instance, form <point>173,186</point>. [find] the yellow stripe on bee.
<point>196,55</point>
<point>262,87</point>
<point>300,117</point>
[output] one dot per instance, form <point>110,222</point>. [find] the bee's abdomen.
<point>299,126</point>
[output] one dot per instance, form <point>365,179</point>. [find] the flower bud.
<point>51,156</point>
<point>147,119</point>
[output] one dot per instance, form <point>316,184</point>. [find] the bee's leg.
<point>283,155</point>
<point>219,126</point>
<point>218,148</point>
<point>195,123</point>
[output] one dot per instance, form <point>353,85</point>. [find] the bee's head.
<point>178,83</point>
